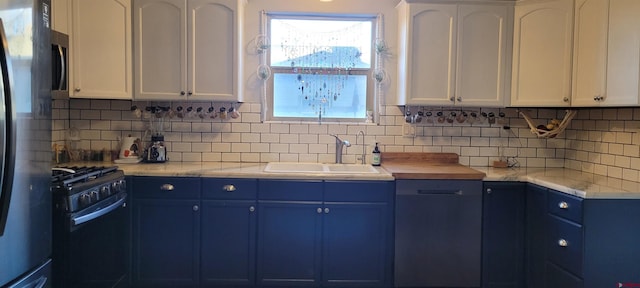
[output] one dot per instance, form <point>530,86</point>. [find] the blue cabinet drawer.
<point>291,190</point>
<point>565,244</point>
<point>565,205</point>
<point>358,191</point>
<point>166,187</point>
<point>236,189</point>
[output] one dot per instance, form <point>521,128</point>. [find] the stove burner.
<point>78,188</point>
<point>65,176</point>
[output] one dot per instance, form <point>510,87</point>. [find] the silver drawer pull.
<point>167,187</point>
<point>563,205</point>
<point>252,208</point>
<point>563,243</point>
<point>319,210</point>
<point>229,188</point>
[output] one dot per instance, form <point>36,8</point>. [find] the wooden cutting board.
<point>427,166</point>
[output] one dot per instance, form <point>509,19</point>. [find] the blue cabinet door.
<point>289,243</point>
<point>355,245</point>
<point>166,240</point>
<point>535,235</point>
<point>503,234</point>
<point>228,235</point>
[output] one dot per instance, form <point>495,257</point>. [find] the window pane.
<point>305,95</point>
<point>320,43</point>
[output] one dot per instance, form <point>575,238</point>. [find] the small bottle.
<point>375,161</point>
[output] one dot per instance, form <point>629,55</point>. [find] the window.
<point>321,67</point>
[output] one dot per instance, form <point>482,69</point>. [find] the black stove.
<point>90,227</point>
<point>76,188</point>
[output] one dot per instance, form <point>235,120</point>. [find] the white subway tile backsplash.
<point>602,141</point>
<point>221,147</point>
<point>201,147</point>
<point>259,147</point>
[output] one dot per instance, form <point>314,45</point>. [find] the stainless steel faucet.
<point>339,144</point>
<point>364,147</point>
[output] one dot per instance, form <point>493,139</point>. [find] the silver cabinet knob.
<point>229,188</point>
<point>563,243</point>
<point>489,190</point>
<point>189,93</point>
<point>326,210</point>
<point>196,208</point>
<point>563,205</point>
<point>452,99</point>
<point>459,99</point>
<point>252,208</point>
<point>182,93</point>
<point>319,210</point>
<point>167,187</point>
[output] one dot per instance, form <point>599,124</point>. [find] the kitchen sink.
<point>351,168</point>
<point>292,167</point>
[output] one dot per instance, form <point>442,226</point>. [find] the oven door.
<point>93,252</point>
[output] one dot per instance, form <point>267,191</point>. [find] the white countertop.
<point>238,170</point>
<point>581,184</point>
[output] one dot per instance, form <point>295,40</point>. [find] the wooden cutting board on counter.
<point>414,165</point>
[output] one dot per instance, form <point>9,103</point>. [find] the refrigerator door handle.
<point>7,142</point>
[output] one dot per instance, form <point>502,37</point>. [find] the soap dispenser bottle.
<point>375,161</point>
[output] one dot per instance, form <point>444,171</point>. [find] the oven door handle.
<point>86,218</point>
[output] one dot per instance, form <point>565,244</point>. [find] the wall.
<point>102,123</point>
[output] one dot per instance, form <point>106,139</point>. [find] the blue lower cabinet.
<point>324,234</point>
<point>228,235</point>
<point>289,235</point>
<point>355,244</point>
<point>503,234</point>
<point>165,232</point>
<point>558,277</point>
<point>166,243</point>
<point>535,236</point>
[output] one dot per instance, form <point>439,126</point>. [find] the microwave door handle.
<point>63,68</point>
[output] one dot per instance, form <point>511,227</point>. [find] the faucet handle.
<point>346,143</point>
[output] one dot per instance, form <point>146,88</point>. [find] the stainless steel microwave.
<point>59,65</point>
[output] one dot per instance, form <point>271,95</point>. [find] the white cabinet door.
<point>590,52</point>
<point>483,32</point>
<point>187,50</point>
<point>542,49</point>
<point>430,56</point>
<point>623,57</point>
<point>101,49</point>
<point>607,53</point>
<point>160,46</point>
<point>213,54</point>
<point>453,54</point>
<point>60,12</point>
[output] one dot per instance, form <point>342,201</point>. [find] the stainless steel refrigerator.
<point>25,143</point>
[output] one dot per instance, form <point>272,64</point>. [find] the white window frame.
<point>371,97</point>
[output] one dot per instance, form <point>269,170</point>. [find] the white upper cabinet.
<point>453,54</point>
<point>60,12</point>
<point>542,49</point>
<point>101,49</point>
<point>187,49</point>
<point>607,53</point>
